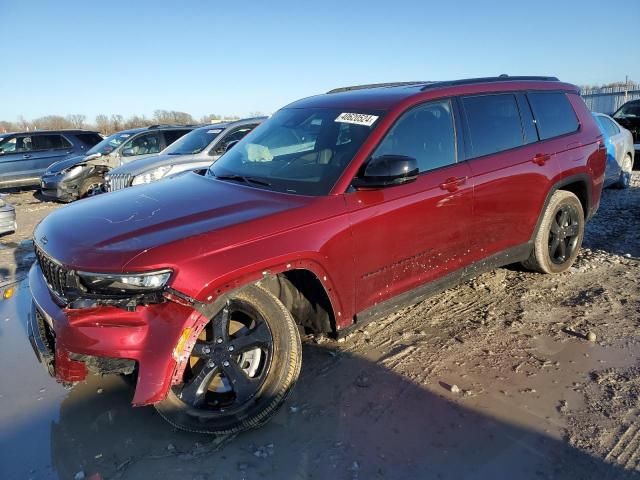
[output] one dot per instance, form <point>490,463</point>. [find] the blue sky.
<point>132,57</point>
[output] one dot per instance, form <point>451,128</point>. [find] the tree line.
<point>108,124</point>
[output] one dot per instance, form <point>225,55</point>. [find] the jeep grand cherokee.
<point>336,210</point>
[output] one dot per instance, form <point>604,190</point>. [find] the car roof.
<point>386,95</point>
<point>232,123</point>
<point>62,130</point>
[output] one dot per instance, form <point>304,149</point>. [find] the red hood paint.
<point>106,232</point>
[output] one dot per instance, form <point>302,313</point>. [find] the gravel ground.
<point>510,375</point>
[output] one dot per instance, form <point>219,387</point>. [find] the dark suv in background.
<point>628,115</point>
<point>83,176</point>
<point>24,156</point>
<point>337,210</point>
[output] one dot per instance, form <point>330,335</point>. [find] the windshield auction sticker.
<point>357,119</point>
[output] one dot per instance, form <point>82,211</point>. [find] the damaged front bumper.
<point>55,188</point>
<point>107,339</point>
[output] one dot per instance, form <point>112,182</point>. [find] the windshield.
<point>193,142</point>
<point>109,144</point>
<point>628,110</point>
<point>301,151</point>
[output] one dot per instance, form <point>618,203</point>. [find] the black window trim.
<point>458,150</point>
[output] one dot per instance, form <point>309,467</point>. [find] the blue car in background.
<point>25,156</point>
<point>620,151</point>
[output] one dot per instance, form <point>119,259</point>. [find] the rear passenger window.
<point>494,123</point>
<point>171,136</point>
<point>50,142</point>
<point>554,114</point>
<point>425,133</point>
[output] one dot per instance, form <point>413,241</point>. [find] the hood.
<point>57,167</point>
<point>146,164</point>
<point>105,232</point>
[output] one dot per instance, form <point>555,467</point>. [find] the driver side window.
<point>425,133</point>
<point>143,144</point>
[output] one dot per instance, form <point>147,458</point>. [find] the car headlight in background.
<point>125,283</point>
<point>151,176</point>
<point>72,171</point>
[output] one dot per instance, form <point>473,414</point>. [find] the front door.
<point>414,233</point>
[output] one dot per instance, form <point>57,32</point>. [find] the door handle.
<point>541,158</point>
<point>451,184</point>
<point>26,156</point>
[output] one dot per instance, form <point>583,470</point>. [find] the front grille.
<point>118,181</point>
<point>54,273</point>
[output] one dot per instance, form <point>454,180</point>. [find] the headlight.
<point>125,283</point>
<point>72,171</point>
<point>151,176</point>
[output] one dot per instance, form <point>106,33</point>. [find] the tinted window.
<point>49,142</point>
<point>425,133</point>
<point>171,136</point>
<point>89,139</point>
<point>494,123</point>
<point>554,114</point>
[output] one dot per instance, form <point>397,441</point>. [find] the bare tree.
<point>103,124</point>
<point>77,120</point>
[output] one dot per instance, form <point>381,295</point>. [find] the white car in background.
<point>620,151</point>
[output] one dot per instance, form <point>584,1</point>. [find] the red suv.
<point>336,210</point>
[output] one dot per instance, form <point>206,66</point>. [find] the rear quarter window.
<point>89,139</point>
<point>553,113</point>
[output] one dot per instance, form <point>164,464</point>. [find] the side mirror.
<point>387,171</point>
<point>127,152</point>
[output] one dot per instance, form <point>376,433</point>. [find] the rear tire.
<point>218,404</point>
<point>625,175</point>
<point>559,237</point>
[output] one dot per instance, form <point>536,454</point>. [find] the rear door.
<point>414,233</point>
<point>48,149</point>
<point>511,171</point>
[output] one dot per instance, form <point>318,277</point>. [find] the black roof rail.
<point>501,78</point>
<point>173,125</point>
<point>375,85</point>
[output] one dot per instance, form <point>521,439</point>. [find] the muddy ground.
<point>492,379</point>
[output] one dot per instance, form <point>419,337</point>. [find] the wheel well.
<point>580,190</point>
<point>303,294</point>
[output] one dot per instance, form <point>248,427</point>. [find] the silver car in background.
<point>196,150</point>
<point>8,222</point>
<point>620,151</point>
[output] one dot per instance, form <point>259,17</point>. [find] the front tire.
<point>559,237</point>
<point>241,369</point>
<point>91,187</point>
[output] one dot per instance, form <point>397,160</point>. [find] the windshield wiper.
<point>240,178</point>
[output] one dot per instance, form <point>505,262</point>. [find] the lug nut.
<point>211,364</point>
<point>231,348</point>
<point>206,350</point>
<point>219,340</point>
<point>226,364</point>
